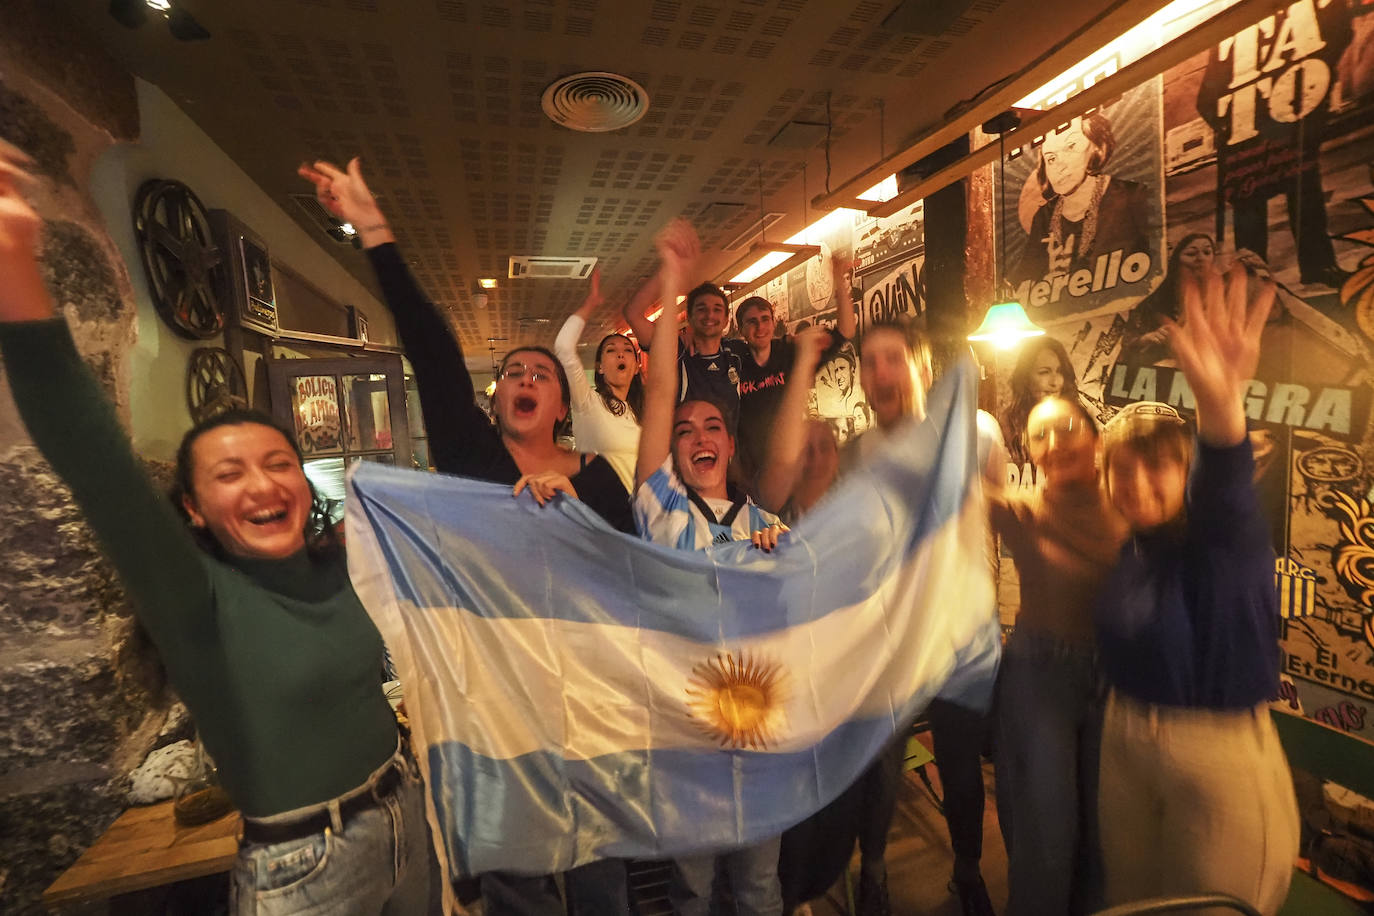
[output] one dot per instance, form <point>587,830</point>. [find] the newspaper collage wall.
<point>1261,149</point>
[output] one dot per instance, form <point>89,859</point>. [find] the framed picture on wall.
<point>257,278</point>
<point>357,323</point>
<point>251,292</point>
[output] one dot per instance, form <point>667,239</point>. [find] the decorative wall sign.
<point>260,304</point>
<point>315,409</point>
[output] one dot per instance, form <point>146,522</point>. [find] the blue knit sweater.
<point>1189,617</point>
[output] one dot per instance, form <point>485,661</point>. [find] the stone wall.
<point>81,692</point>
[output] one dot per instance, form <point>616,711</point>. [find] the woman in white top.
<point>605,417</point>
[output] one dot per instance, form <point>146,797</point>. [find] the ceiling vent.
<point>536,267</point>
<point>755,229</point>
<point>595,102</point>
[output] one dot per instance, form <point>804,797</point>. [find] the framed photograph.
<point>357,323</point>
<point>257,281</point>
<point>250,287</point>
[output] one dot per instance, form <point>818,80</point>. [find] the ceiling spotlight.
<point>133,13</point>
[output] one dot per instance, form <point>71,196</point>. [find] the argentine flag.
<point>576,693</point>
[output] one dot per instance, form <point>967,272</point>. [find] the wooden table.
<point>145,847</point>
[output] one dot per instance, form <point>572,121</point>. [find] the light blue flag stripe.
<point>438,557</point>
<point>540,813</point>
<point>489,604</point>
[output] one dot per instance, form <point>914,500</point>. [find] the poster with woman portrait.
<point>1082,210</point>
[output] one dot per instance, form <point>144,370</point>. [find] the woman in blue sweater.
<point>1195,792</point>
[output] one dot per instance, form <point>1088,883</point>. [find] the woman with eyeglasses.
<point>1064,540</point>
<point>532,403</point>
<point>530,410</point>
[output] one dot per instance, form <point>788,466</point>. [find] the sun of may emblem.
<point>737,701</point>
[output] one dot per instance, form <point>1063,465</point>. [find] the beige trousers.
<point>1195,801</point>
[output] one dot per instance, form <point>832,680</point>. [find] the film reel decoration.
<point>214,383</point>
<point>180,257</point>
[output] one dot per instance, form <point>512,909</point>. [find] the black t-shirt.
<point>714,378</point>
<point>760,396</point>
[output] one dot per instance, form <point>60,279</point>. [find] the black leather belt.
<point>258,832</point>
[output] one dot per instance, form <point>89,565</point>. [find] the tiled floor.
<point>919,858</point>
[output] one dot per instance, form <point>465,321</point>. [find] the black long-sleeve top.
<point>461,438</point>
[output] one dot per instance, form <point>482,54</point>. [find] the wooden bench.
<point>145,847</point>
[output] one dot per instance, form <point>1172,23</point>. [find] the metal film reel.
<point>180,257</point>
<point>214,383</point>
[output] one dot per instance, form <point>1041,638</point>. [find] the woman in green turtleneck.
<point>261,635</point>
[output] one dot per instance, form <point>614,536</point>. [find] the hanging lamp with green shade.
<point>1006,323</point>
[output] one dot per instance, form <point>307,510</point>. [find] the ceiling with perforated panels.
<point>441,98</point>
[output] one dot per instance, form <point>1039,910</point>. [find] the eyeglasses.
<point>517,371</point>
<point>1068,426</point>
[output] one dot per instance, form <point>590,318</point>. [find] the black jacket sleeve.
<point>461,438</point>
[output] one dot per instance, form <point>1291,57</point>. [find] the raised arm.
<point>782,466</point>
<point>565,346</point>
<point>74,426</point>
<point>461,439</point>
<point>846,319</point>
<point>1218,349</point>
<point>636,309</point>
<point>677,250</point>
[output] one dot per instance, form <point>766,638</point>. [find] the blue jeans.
<point>597,889</point>
<point>753,875</point>
<point>1049,736</point>
<point>379,862</point>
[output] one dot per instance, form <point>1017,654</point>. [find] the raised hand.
<point>1218,345</point>
<point>19,223</point>
<point>346,195</point>
<point>810,344</point>
<point>593,299</point>
<point>840,266</point>
<point>678,249</point>
<point>23,296</point>
<point>842,292</point>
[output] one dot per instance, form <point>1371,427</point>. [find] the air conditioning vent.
<point>537,267</point>
<point>323,218</point>
<point>595,101</point>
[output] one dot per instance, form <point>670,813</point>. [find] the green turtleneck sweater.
<point>276,659</point>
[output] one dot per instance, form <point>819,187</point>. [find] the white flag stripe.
<point>522,685</point>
